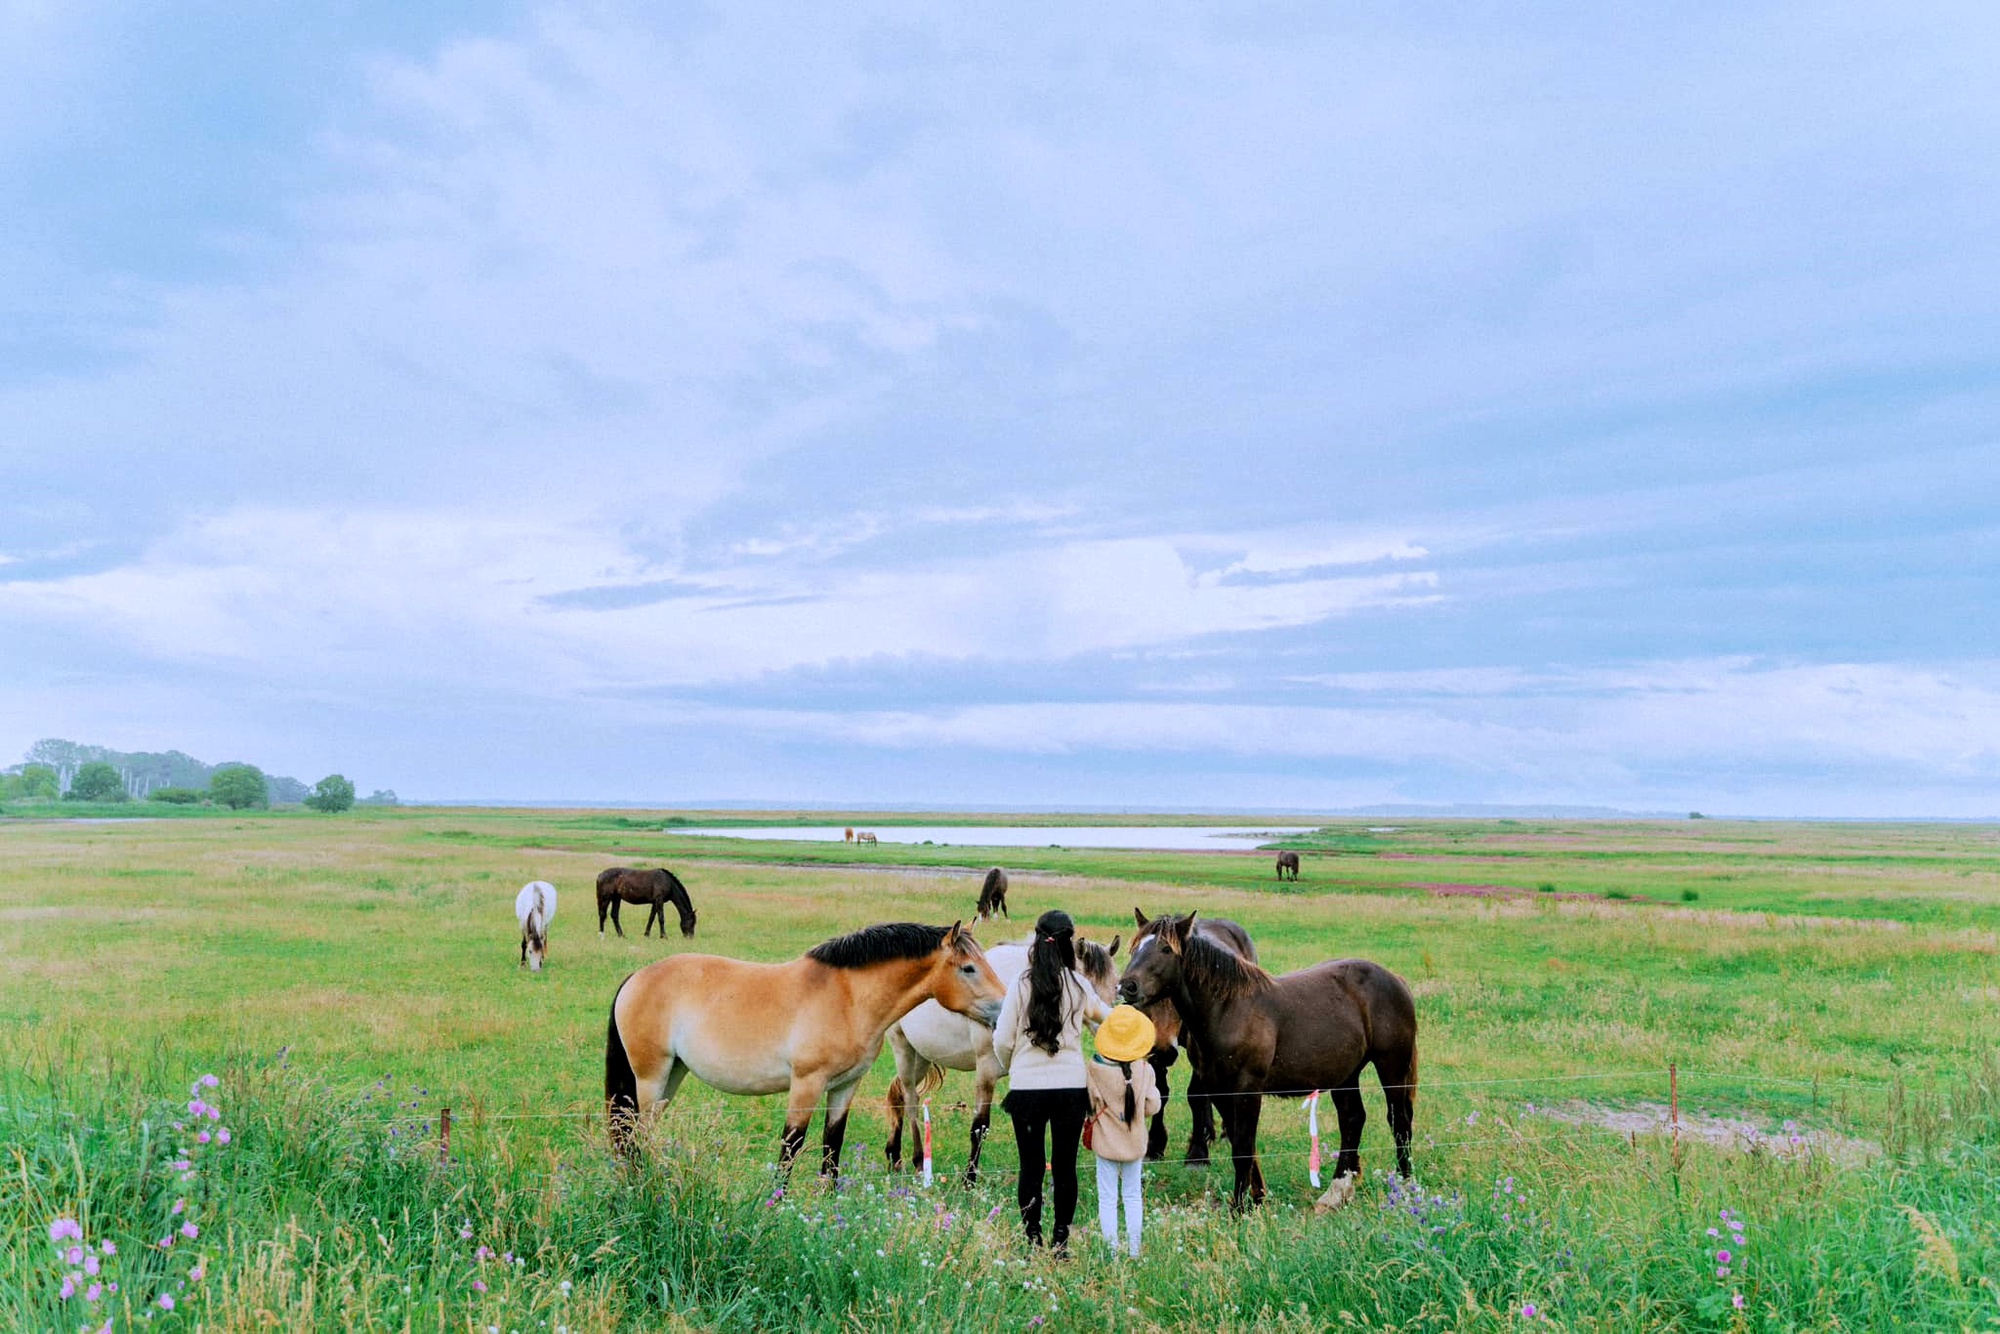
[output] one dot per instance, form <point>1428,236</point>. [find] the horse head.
<point>684,905</point>
<point>961,979</point>
<point>1094,962</point>
<point>1154,970</point>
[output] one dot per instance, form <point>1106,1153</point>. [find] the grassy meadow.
<point>1836,988</point>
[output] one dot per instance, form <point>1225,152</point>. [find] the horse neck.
<point>1208,987</point>
<point>888,990</point>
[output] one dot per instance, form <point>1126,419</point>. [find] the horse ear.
<point>1138,917</point>
<point>1178,930</point>
<point>1111,950</point>
<point>956,937</point>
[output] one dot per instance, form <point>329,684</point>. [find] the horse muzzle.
<point>987,1014</point>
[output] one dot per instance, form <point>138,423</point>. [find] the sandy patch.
<point>1722,1130</point>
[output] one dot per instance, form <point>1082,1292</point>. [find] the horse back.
<point>1327,1021</point>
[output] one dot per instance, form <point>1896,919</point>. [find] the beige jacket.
<point>1111,1138</point>
<point>1028,1066</point>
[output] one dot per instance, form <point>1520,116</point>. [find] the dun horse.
<point>993,895</point>
<point>1286,1036</point>
<point>1288,861</point>
<point>930,1040</point>
<point>810,1028</point>
<point>863,836</point>
<point>534,906</point>
<point>656,888</point>
<point>1169,1038</point>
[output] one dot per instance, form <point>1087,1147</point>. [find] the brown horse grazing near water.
<point>810,1028</point>
<point>1288,861</point>
<point>656,888</point>
<point>1168,1038</point>
<point>1285,1036</point>
<point>993,895</point>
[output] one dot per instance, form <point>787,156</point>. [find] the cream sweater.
<point>1028,1066</point>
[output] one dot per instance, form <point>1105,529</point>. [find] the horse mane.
<point>879,944</point>
<point>1219,970</point>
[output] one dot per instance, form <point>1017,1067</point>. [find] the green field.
<point>347,976</point>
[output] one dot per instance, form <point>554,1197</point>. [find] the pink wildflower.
<point>180,1206</point>
<point>65,1229</point>
<point>483,1254</point>
<point>166,1243</point>
<point>1722,1257</point>
<point>68,1290</point>
<point>209,1081</point>
<point>202,1138</point>
<point>1528,1311</point>
<point>108,1247</point>
<point>222,1135</point>
<point>465,1234</point>
<point>91,1265</point>
<point>197,1274</point>
<point>479,1285</point>
<point>93,1292</point>
<point>1722,1271</point>
<point>1736,1300</point>
<point>190,1231</point>
<point>74,1255</point>
<point>166,1302</point>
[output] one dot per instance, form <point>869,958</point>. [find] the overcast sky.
<point>1266,406</point>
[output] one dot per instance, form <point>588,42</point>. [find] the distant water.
<point>1154,838</point>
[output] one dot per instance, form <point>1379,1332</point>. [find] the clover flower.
<point>65,1229</point>
<point>166,1301</point>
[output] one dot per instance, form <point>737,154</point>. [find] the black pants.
<point>1061,1113</point>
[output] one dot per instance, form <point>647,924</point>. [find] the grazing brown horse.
<point>1285,1036</point>
<point>656,888</point>
<point>1288,861</point>
<point>810,1028</point>
<point>847,834</point>
<point>1168,1038</point>
<point>927,1041</point>
<point>993,895</point>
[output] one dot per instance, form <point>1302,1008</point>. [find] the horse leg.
<point>602,908</point>
<point>1240,1121</point>
<point>1201,1116</point>
<point>987,1075</point>
<point>524,949</point>
<point>1347,1107</point>
<point>617,925</point>
<point>1156,1134</point>
<point>834,1133</point>
<point>799,1105</point>
<point>910,1071</point>
<point>893,1149</point>
<point>1399,1090</point>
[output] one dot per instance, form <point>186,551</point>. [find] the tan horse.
<point>810,1028</point>
<point>847,834</point>
<point>863,836</point>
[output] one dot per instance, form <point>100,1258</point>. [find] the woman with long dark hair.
<point>1038,1039</point>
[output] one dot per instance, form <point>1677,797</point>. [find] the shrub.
<point>178,796</point>
<point>97,781</point>
<point>1689,896</point>
<point>332,794</point>
<point>1546,887</point>
<point>239,786</point>
<point>37,781</point>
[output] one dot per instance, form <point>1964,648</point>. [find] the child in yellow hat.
<point>1123,1094</point>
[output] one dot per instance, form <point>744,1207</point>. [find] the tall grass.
<point>333,1210</point>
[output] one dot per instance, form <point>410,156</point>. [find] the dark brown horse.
<point>656,888</point>
<point>993,895</point>
<point>1288,861</point>
<point>1285,1036</point>
<point>1167,1033</point>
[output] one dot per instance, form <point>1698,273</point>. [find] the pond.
<point>1153,838</point>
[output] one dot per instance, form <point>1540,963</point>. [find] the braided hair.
<point>1050,960</point>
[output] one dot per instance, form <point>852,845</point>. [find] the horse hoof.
<point>1341,1192</point>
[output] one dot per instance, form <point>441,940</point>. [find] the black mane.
<point>1219,969</point>
<point>879,944</point>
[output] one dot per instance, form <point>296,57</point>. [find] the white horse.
<point>535,907</point>
<point>931,1039</point>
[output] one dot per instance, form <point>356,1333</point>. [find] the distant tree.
<point>37,780</point>
<point>332,794</point>
<point>97,781</point>
<point>178,796</point>
<point>239,786</point>
<point>381,796</point>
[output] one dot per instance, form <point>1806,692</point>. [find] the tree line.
<point>58,770</point>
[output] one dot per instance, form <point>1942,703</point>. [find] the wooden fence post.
<point>444,1135</point>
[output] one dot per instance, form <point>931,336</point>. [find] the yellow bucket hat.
<point>1125,1035</point>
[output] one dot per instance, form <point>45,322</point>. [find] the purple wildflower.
<point>68,1289</point>
<point>65,1229</point>
<point>74,1255</point>
<point>166,1301</point>
<point>1736,1300</point>
<point>479,1285</point>
<point>190,1231</point>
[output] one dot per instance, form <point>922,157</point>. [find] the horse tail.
<point>621,1085</point>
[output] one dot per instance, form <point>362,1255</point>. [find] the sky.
<point>1257,406</point>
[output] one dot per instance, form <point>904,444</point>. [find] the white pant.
<point>1114,1180</point>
